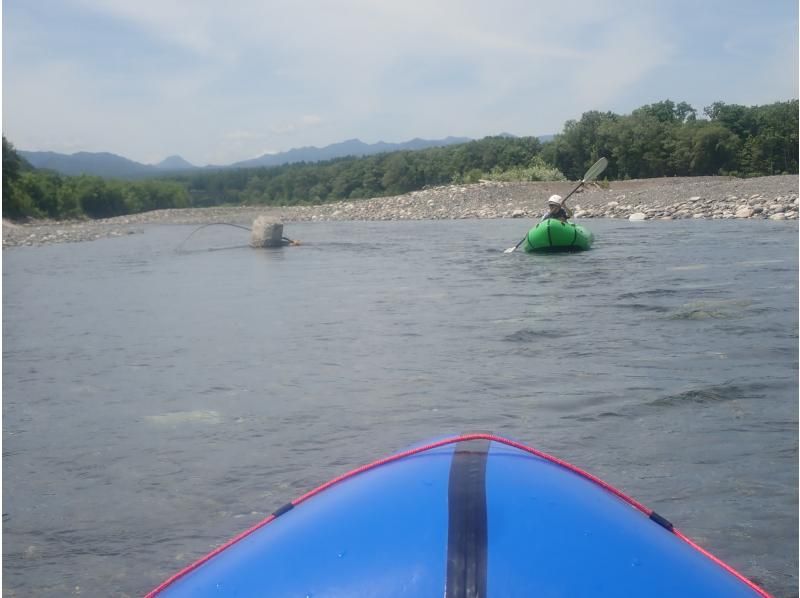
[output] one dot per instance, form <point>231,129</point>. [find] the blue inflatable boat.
<point>468,517</point>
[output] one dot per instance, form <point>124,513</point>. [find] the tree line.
<point>32,193</point>
<point>379,175</point>
<point>668,139</point>
<point>661,139</point>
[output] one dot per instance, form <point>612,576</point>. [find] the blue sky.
<point>219,82</point>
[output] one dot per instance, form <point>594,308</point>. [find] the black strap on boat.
<point>287,507</point>
<point>549,238</point>
<point>467,531</point>
<point>662,521</point>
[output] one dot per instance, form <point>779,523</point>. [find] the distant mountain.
<point>351,147</point>
<point>112,166</point>
<point>98,164</point>
<point>174,163</point>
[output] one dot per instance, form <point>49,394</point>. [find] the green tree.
<point>581,143</point>
<point>42,188</point>
<point>97,199</point>
<point>399,176</point>
<point>740,120</point>
<point>16,202</point>
<point>714,150</point>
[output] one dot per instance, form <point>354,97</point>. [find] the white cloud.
<point>190,26</point>
<point>287,73</point>
<point>629,50</point>
<point>304,122</point>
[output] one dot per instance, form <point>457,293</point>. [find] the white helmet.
<point>554,199</point>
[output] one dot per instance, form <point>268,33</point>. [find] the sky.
<point>218,82</point>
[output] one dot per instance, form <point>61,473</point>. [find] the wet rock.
<point>266,233</point>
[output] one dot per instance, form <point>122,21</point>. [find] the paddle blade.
<point>509,250</point>
<point>595,169</point>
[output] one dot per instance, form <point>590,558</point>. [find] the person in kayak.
<point>555,209</point>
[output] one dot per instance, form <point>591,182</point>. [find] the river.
<point>162,392</point>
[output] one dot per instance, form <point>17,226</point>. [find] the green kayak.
<point>554,235</point>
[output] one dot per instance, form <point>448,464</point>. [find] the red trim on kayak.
<point>435,445</point>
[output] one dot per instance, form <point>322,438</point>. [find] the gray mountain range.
<point>102,164</point>
<point>109,165</point>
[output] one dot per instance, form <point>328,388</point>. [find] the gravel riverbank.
<point>774,197</point>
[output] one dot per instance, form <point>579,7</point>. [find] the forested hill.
<point>668,139</point>
<point>661,139</point>
<point>372,176</point>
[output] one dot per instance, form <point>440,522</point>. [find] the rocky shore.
<point>774,198</point>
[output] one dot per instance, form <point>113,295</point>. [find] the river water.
<point>161,394</point>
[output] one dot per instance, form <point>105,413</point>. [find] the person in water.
<point>555,209</point>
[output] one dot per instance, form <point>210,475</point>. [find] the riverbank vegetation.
<point>657,140</point>
<point>668,139</point>
<point>31,193</point>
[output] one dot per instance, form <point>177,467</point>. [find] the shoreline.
<point>774,198</point>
